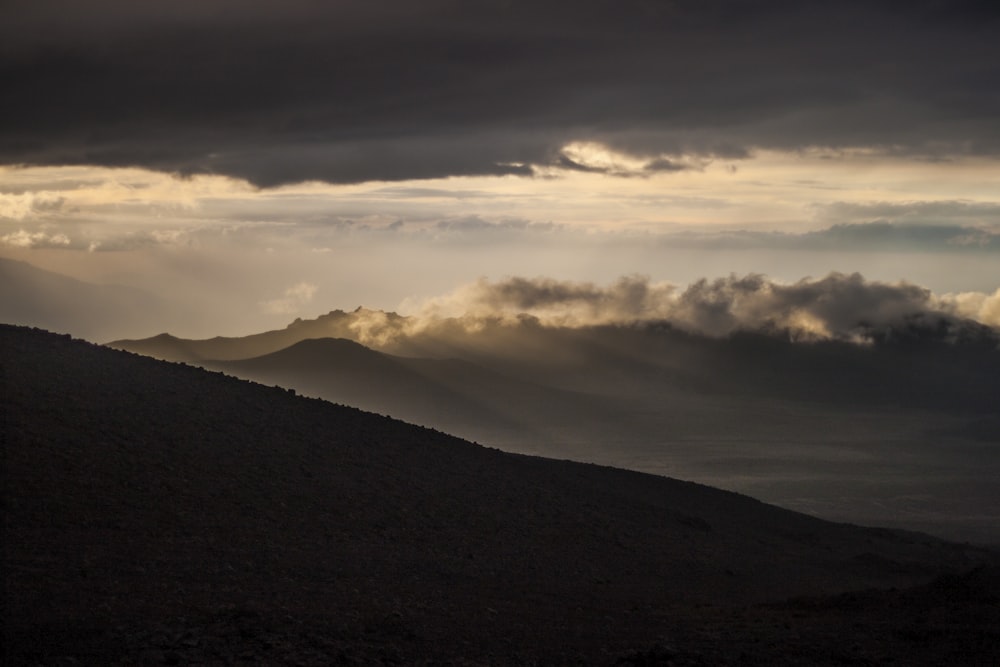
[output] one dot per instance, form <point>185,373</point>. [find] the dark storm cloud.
<point>353,91</point>
<point>664,164</point>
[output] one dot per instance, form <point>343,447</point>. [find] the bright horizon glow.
<point>258,256</point>
<point>777,191</point>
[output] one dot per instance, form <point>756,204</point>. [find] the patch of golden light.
<point>984,308</point>
<point>805,322</point>
<point>781,191</point>
<point>593,155</point>
<point>99,186</point>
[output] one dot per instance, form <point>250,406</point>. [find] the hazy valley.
<point>159,513</point>
<point>902,431</point>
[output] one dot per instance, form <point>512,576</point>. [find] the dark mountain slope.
<point>921,365</point>
<point>449,394</point>
<point>342,371</point>
<point>915,367</point>
<point>901,431</point>
<point>158,512</point>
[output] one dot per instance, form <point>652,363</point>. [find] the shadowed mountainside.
<point>336,324</point>
<point>924,364</point>
<point>448,394</point>
<point>157,512</point>
<point>901,431</point>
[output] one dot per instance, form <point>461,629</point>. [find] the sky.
<point>262,161</point>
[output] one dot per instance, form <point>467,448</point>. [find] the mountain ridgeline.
<point>924,364</point>
<point>902,430</point>
<point>157,512</point>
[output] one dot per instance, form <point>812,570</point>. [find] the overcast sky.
<point>272,160</point>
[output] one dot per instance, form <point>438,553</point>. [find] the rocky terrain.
<point>157,513</point>
<point>902,431</point>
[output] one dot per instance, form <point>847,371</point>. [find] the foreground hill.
<point>902,431</point>
<point>157,512</point>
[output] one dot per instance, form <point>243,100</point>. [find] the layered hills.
<point>900,430</point>
<point>158,513</point>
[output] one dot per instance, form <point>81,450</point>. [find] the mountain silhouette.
<point>343,371</point>
<point>895,432</point>
<point>448,394</point>
<point>924,364</point>
<point>157,512</point>
<point>336,324</point>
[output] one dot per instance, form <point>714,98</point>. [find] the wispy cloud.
<point>39,239</point>
<point>18,206</point>
<point>932,213</point>
<point>292,301</point>
<point>881,236</point>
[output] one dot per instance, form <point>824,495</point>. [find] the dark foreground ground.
<point>952,621</point>
<point>158,514</point>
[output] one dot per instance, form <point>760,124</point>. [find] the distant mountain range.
<point>901,431</point>
<point>33,296</point>
<point>156,512</point>
<point>920,366</point>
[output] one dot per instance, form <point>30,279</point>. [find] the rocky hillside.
<point>902,431</point>
<point>156,512</point>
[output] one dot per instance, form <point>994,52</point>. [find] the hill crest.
<point>140,490</point>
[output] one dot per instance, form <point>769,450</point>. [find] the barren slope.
<point>155,511</point>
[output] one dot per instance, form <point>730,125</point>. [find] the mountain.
<point>336,324</point>
<point>925,365</point>
<point>452,395</point>
<point>35,297</point>
<point>900,431</point>
<point>160,513</point>
<point>343,371</point>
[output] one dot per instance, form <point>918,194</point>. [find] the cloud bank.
<point>836,307</point>
<point>358,91</point>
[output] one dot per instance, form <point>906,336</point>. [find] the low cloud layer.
<point>914,213</point>
<point>862,237</point>
<point>359,91</point>
<point>839,306</point>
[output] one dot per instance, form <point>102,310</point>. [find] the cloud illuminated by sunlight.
<point>838,306</point>
<point>770,190</point>
<point>291,302</point>
<point>41,239</point>
<point>235,248</point>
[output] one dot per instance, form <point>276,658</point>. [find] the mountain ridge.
<point>138,492</point>
<point>896,432</point>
